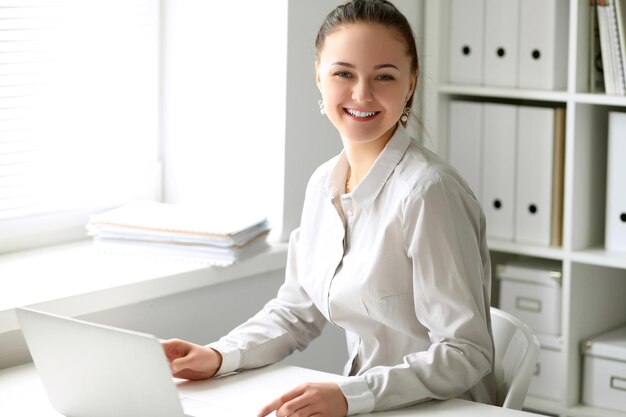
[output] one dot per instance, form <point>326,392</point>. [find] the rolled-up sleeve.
<point>288,322</point>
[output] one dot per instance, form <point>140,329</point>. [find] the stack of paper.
<point>212,236</point>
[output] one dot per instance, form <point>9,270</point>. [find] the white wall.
<point>206,315</point>
<point>201,316</point>
<point>224,103</point>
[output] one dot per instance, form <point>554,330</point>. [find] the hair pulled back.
<point>380,12</point>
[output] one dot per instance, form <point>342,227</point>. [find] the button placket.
<point>335,264</point>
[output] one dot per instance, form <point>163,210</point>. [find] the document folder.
<point>501,43</point>
<point>535,155</point>
<point>465,146</point>
<point>615,236</point>
<point>466,41</point>
<point>499,165</point>
<point>543,44</point>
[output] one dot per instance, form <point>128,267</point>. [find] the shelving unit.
<point>594,280</point>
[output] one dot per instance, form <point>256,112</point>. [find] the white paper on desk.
<point>217,221</point>
<point>198,408</point>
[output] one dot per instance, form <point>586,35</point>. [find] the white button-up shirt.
<point>401,264</point>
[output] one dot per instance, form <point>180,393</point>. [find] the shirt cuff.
<point>357,392</point>
<point>231,358</point>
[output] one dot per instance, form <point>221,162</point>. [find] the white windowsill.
<point>72,279</point>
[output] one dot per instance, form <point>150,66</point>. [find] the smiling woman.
<point>391,247</point>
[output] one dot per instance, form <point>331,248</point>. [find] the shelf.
<point>543,405</point>
<point>600,256</point>
<point>524,249</point>
<point>594,279</point>
<point>587,411</point>
<point>504,93</point>
<point>601,99</point>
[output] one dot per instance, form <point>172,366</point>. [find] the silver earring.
<point>405,114</point>
<point>322,109</point>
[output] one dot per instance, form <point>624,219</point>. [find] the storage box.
<point>547,381</point>
<point>531,290</point>
<point>604,370</point>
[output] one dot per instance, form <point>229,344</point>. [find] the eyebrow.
<point>377,67</point>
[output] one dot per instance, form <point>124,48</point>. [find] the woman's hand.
<point>191,361</point>
<point>323,399</point>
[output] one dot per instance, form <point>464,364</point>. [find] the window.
<point>79,106</point>
<point>224,101</point>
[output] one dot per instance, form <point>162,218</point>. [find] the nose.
<point>362,91</point>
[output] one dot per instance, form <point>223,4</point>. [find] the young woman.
<point>391,247</point>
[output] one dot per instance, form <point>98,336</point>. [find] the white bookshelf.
<point>594,280</point>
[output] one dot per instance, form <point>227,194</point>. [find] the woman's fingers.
<point>278,402</point>
<point>313,399</point>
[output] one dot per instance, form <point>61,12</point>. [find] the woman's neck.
<point>361,157</point>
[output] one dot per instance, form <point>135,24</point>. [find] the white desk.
<point>22,394</point>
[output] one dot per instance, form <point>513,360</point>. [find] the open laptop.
<point>91,370</point>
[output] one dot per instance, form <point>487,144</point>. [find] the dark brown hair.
<point>370,11</point>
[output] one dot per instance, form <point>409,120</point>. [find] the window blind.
<point>79,90</point>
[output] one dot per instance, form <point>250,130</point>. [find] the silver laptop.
<point>90,370</point>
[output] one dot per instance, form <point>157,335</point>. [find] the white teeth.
<point>361,113</point>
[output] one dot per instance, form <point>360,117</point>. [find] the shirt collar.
<point>368,189</point>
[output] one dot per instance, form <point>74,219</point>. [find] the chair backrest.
<point>516,353</point>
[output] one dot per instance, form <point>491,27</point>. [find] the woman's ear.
<point>412,84</point>
<point>317,76</point>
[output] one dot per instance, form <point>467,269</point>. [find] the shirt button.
<point>349,213</point>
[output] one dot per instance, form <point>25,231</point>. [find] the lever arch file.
<point>499,165</point>
<point>615,236</point>
<point>465,147</point>
<point>501,43</point>
<point>535,154</point>
<point>466,41</point>
<point>543,44</point>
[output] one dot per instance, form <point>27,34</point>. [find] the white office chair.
<point>517,350</point>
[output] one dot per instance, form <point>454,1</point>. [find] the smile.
<point>361,114</point>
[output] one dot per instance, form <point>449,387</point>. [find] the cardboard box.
<point>531,291</point>
<point>604,370</point>
<point>547,381</point>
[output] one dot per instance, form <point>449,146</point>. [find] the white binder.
<point>535,154</point>
<point>615,236</point>
<point>465,147</point>
<point>501,43</point>
<point>498,175</point>
<point>543,44</point>
<point>466,41</point>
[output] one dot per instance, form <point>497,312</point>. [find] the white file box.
<point>547,381</point>
<point>465,145</point>
<point>498,171</point>
<point>543,44</point>
<point>535,154</point>
<point>501,43</point>
<point>604,370</point>
<point>615,234</point>
<point>466,41</point>
<point>531,291</point>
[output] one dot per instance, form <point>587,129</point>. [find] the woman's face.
<point>365,77</point>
